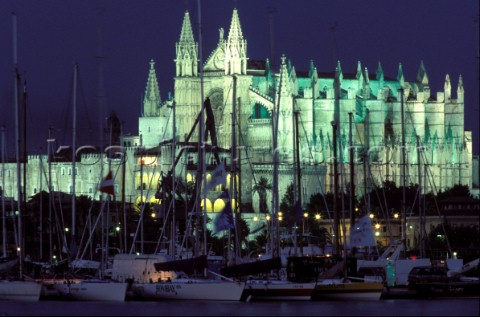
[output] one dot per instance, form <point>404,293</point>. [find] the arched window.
<point>260,112</point>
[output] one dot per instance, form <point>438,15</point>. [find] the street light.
<point>305,218</point>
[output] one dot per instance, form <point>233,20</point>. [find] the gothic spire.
<point>284,88</point>
<point>359,74</point>
<point>460,92</point>
<point>400,77</point>
<point>366,79</point>
<point>366,85</point>
<point>340,72</point>
<point>422,75</point>
<point>380,76</point>
<point>293,78</point>
<point>447,87</point>
<point>359,77</point>
<point>236,48</point>
<point>186,34</point>
<point>187,50</point>
<point>312,71</point>
<point>151,100</point>
<point>460,84</point>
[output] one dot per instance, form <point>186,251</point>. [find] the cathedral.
<point>280,126</point>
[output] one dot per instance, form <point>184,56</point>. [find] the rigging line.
<point>89,217</point>
<point>343,187</point>
<point>166,124</point>
<point>423,155</point>
<point>104,201</point>
<point>322,193</point>
<point>249,162</point>
<point>59,224</point>
<point>170,207</point>
<point>87,220</point>
<point>375,187</point>
<point>142,211</point>
<point>385,212</point>
<point>83,99</point>
<point>164,226</point>
<point>417,196</point>
<point>434,190</point>
<point>66,112</point>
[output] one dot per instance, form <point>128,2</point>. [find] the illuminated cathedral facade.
<point>252,103</point>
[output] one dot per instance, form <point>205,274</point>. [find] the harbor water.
<point>389,307</point>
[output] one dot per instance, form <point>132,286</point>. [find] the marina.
<point>233,198</point>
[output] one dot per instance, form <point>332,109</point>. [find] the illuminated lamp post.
<point>305,218</point>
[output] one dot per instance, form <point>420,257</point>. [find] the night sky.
<point>123,35</point>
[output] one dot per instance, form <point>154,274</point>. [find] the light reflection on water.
<point>392,307</point>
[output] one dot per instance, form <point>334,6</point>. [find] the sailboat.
<point>263,277</point>
<point>335,282</point>
<point>168,276</point>
<point>181,279</point>
<point>18,288</point>
<point>6,262</point>
<point>393,263</point>
<point>78,287</point>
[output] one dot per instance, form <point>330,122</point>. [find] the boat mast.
<point>201,139</point>
<point>124,157</point>
<point>16,78</point>
<point>352,175</point>
<point>50,193</point>
<point>298,191</point>
<point>233,174</point>
<point>275,230</point>
<point>404,212</point>
<point>368,186</point>
<point>420,200</point>
<point>335,126</point>
<point>4,226</point>
<point>24,198</point>
<point>73,242</point>
<point>174,189</point>
<point>41,169</point>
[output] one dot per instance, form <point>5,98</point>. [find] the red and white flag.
<point>106,185</point>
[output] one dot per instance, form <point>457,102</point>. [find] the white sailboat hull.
<point>277,290</point>
<point>20,290</point>
<point>93,290</point>
<point>190,289</point>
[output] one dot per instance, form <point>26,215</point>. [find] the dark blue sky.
<point>52,35</point>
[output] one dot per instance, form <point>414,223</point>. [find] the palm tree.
<point>261,188</point>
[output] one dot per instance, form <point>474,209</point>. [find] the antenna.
<point>271,34</point>
<point>333,27</point>
<point>475,20</point>
<point>100,77</point>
